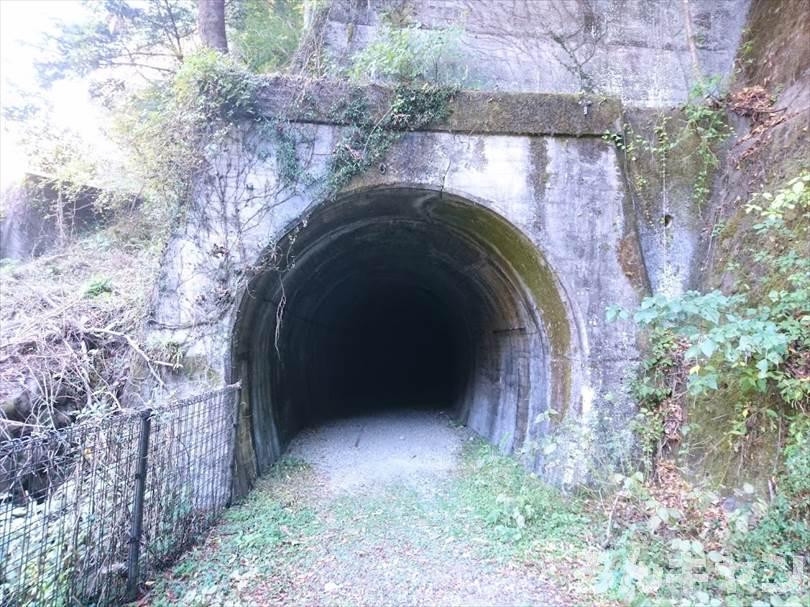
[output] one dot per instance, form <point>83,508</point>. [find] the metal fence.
<point>90,512</point>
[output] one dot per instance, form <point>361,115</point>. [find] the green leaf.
<point>708,347</point>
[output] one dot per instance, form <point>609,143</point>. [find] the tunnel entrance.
<point>406,298</point>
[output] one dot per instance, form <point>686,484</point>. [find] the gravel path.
<point>372,518</point>
<point>399,463</point>
<point>398,446</point>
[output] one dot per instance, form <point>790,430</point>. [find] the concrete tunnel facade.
<point>472,274</point>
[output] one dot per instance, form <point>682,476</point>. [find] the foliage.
<point>676,143</point>
<point>753,347</point>
<point>246,552</point>
<point>657,388</point>
<point>175,130</point>
<point>669,555</point>
<point>409,54</point>
<point>265,33</point>
<point>785,214</point>
<point>63,166</point>
<point>69,323</point>
<point>120,38</point>
<point>519,508</point>
<point>214,88</point>
<point>367,139</point>
<point>735,339</point>
<point>784,528</point>
<point>705,119</point>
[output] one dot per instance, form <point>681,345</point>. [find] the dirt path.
<point>380,510</point>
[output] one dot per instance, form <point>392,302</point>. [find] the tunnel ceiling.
<point>400,297</point>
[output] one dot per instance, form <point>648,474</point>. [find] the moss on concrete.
<point>538,148</point>
<point>537,277</point>
<point>301,100</point>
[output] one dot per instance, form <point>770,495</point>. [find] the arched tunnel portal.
<point>402,297</point>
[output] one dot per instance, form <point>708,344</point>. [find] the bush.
<point>753,341</point>
<point>411,53</point>
<point>751,350</point>
<point>266,32</point>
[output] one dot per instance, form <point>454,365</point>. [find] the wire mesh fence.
<point>88,512</point>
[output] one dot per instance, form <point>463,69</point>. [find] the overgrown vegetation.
<point>676,544</point>
<point>677,143</point>
<point>265,33</point>
<point>68,330</point>
<point>521,514</point>
<point>738,362</point>
<point>368,138</point>
<point>176,130</point>
<point>241,555</point>
<point>754,343</point>
<point>706,121</point>
<point>411,53</point>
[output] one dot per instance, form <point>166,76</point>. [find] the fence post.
<point>136,525</point>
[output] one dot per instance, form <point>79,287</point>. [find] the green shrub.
<point>750,347</point>
<point>266,33</point>
<point>750,340</point>
<point>409,54</point>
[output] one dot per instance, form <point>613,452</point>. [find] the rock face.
<point>471,269</point>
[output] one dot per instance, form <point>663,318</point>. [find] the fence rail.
<point>89,512</point>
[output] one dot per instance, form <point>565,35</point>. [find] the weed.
<point>367,141</point>
<point>517,509</point>
<point>410,54</point>
<point>246,546</point>
<point>751,347</point>
<point>98,286</point>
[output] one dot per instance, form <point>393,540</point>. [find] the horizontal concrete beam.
<point>472,112</point>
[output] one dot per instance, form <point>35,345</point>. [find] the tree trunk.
<point>211,24</point>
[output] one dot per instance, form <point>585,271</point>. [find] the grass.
<point>242,554</point>
<point>514,510</point>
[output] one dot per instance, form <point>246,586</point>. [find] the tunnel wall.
<point>576,252</point>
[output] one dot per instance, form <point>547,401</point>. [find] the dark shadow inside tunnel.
<point>391,344</point>
<point>396,298</point>
<point>383,322</point>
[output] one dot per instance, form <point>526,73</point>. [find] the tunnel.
<point>400,297</point>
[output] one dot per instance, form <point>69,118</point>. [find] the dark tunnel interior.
<point>391,300</point>
<point>393,344</point>
<point>395,329</point>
